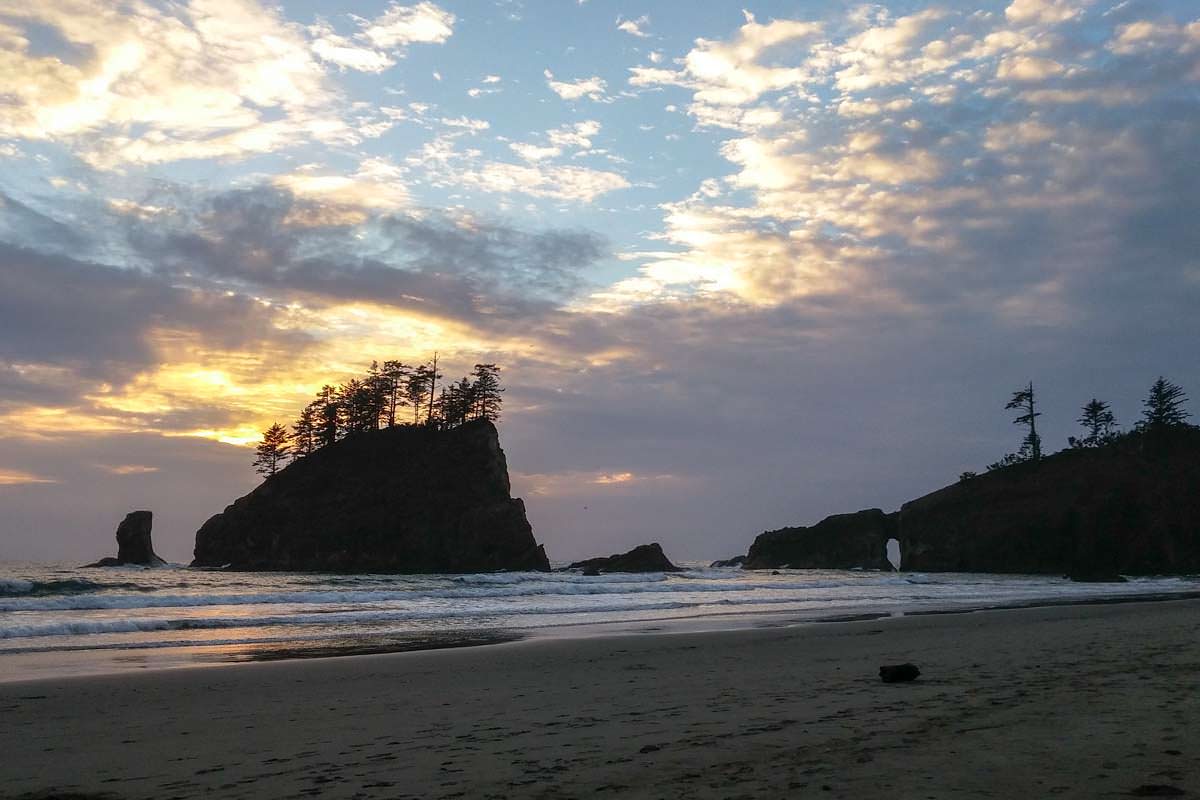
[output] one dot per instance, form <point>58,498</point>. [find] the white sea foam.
<point>60,608</point>
<point>528,588</point>
<point>83,627</point>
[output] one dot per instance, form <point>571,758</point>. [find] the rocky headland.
<point>134,544</point>
<point>843,541</point>
<point>1129,507</point>
<point>408,499</point>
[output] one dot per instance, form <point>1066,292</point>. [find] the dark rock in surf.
<point>643,558</point>
<point>899,673</point>
<point>134,545</point>
<point>409,499</point>
<point>736,561</point>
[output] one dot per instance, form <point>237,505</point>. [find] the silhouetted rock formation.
<point>134,546</point>
<point>404,499</point>
<point>643,558</point>
<point>1131,507</point>
<point>736,561</point>
<point>843,541</point>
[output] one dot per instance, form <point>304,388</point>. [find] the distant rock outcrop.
<point>643,558</point>
<point>843,541</point>
<point>736,561</point>
<point>134,546</point>
<point>403,500</point>
<point>1131,507</point>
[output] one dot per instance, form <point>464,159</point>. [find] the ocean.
<point>58,620</point>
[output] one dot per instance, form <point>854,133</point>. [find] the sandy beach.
<point>1072,701</point>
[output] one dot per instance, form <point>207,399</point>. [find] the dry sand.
<point>1071,701</point>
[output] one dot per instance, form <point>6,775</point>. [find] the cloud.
<point>575,136</point>
<point>450,167</point>
<point>580,184</point>
<point>731,73</point>
<point>13,477</point>
<point>1045,12</point>
<point>210,78</point>
<point>917,155</point>
<point>593,88</point>
<point>402,25</point>
<point>345,52</point>
<point>466,123</point>
<point>458,267</point>
<point>1028,69</point>
<point>127,469</point>
<point>888,54</point>
<point>634,27</point>
<point>377,183</point>
<point>533,152</point>
<point>378,43</point>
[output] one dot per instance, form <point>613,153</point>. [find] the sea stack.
<point>134,545</point>
<point>643,558</point>
<point>408,499</point>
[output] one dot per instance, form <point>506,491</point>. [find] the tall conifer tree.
<point>271,451</point>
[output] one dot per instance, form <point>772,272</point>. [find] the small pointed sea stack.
<point>134,545</point>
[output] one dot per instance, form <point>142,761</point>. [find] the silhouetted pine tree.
<point>1031,446</point>
<point>358,405</point>
<point>417,388</point>
<point>455,404</point>
<point>1099,423</point>
<point>328,415</point>
<point>486,391</point>
<point>394,374</point>
<point>271,451</point>
<point>304,432</point>
<point>1164,406</point>
<point>434,375</point>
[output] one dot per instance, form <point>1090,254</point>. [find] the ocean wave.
<point>579,587</point>
<point>509,578</point>
<point>134,625</point>
<point>19,587</point>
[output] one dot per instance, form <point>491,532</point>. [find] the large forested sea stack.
<point>401,499</point>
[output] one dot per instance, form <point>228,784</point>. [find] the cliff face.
<point>395,500</point>
<point>843,541</point>
<point>1132,508</point>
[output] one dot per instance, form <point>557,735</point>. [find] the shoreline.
<point>1075,701</point>
<point>82,663</point>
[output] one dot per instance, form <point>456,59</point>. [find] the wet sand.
<point>1071,701</point>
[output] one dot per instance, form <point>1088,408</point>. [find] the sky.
<point>743,266</point>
